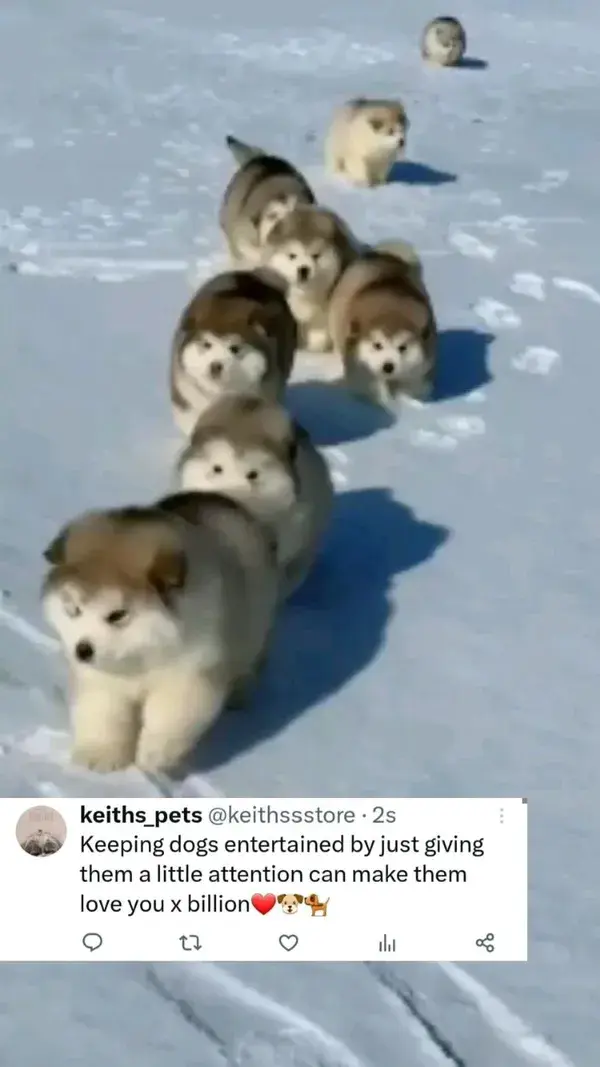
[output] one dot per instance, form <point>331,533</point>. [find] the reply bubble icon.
<point>92,941</point>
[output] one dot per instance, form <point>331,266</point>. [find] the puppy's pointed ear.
<point>280,898</point>
<point>299,898</point>
<point>55,551</point>
<point>168,570</point>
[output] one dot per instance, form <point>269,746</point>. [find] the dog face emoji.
<point>289,902</point>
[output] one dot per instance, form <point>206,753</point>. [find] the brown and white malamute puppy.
<point>309,249</point>
<point>383,325</point>
<point>261,192</point>
<point>366,138</point>
<point>236,335</point>
<point>164,614</point>
<point>254,452</point>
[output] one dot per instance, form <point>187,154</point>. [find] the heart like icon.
<point>288,941</point>
<point>263,902</point>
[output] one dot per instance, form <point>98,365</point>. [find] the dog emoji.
<point>289,902</point>
<point>317,907</point>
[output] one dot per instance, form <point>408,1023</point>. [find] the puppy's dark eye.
<point>292,255</point>
<point>377,125</point>
<point>403,348</point>
<point>235,349</point>
<point>115,617</point>
<point>207,345</point>
<point>217,469</point>
<point>316,256</point>
<point>377,345</point>
<point>252,476</point>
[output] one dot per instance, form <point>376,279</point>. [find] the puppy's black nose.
<point>388,367</point>
<point>215,369</point>
<point>303,274</point>
<point>84,651</point>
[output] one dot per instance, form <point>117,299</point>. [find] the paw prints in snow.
<point>452,430</point>
<point>496,315</point>
<point>551,179</point>
<point>463,426</point>
<point>534,286</point>
<point>485,196</point>
<point>536,360</point>
<point>469,245</point>
<point>527,284</point>
<point>437,442</point>
<point>580,288</point>
<point>518,226</point>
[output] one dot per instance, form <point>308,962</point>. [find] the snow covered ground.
<point>454,617</point>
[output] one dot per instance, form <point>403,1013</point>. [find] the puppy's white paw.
<point>102,757</point>
<point>318,341</point>
<point>158,754</point>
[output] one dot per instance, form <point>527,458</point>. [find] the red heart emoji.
<point>263,904</point>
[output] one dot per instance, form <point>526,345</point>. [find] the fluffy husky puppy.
<point>309,249</point>
<point>237,334</point>
<point>260,193</point>
<point>252,451</point>
<point>444,41</point>
<point>164,613</point>
<point>365,139</point>
<point>383,325</point>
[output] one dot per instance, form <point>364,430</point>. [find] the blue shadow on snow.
<point>406,172</point>
<point>472,63</point>
<point>462,364</point>
<point>332,415</point>
<point>335,624</point>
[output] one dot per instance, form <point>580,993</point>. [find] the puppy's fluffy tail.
<point>406,252</point>
<point>242,152</point>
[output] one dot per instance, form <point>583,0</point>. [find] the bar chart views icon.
<point>387,944</point>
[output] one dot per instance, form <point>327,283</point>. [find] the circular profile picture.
<point>41,831</point>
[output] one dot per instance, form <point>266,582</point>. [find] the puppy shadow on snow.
<point>462,363</point>
<point>332,415</point>
<point>406,172</point>
<point>472,63</point>
<point>335,624</point>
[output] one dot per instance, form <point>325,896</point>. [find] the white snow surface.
<point>447,643</point>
